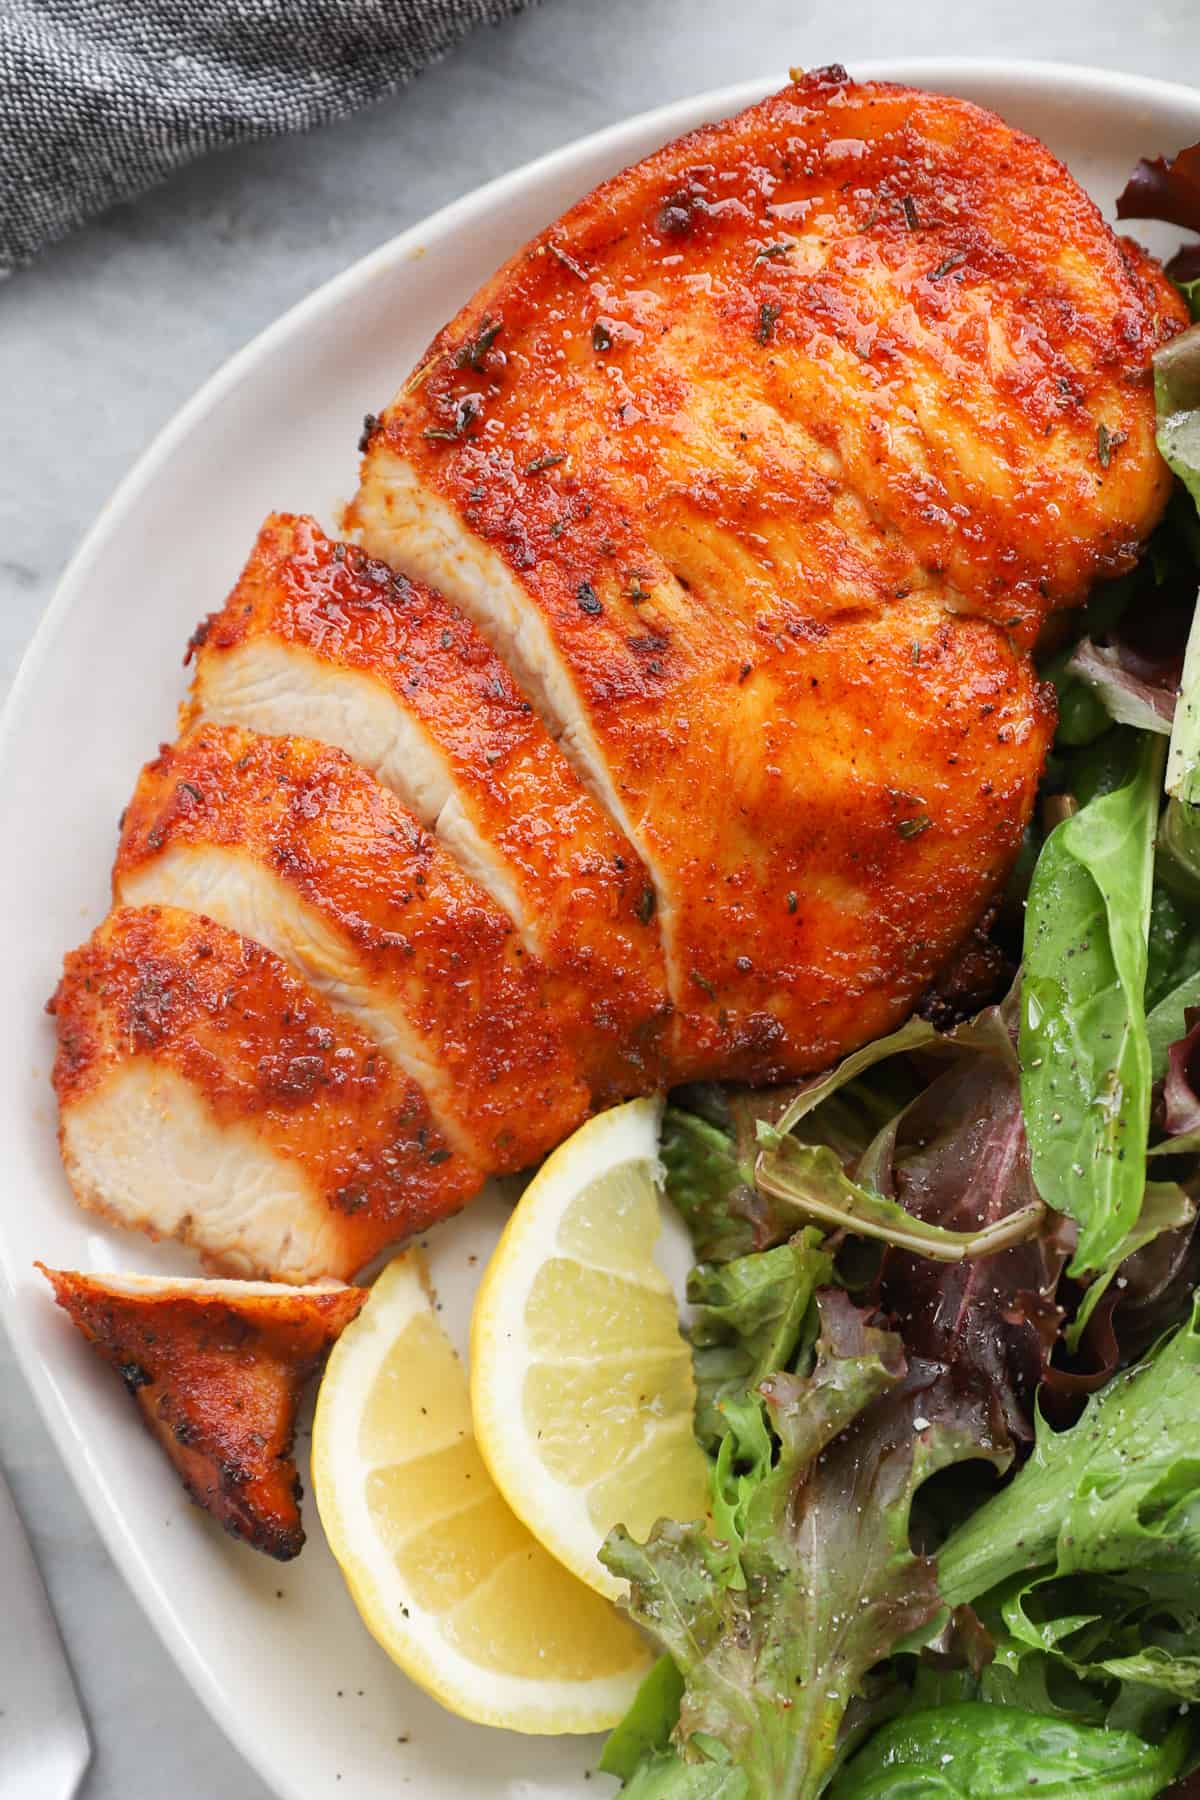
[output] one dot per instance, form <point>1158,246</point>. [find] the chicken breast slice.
<point>317,640</point>
<point>762,469</point>
<point>291,844</point>
<point>208,1094</point>
<point>217,1369</point>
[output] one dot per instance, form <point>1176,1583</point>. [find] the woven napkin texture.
<point>100,99</point>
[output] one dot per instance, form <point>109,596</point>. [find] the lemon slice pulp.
<point>451,1584</point>
<point>581,1384</point>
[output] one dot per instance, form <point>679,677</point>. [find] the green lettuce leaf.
<point>1173,962</point>
<point>774,1626</point>
<point>1085,1055</point>
<point>1165,1207</point>
<point>978,1752</point>
<point>810,1178</point>
<point>645,1731</point>
<point>914,1034</point>
<point>1117,1494</point>
<point>1177,393</point>
<point>748,1319</point>
<point>708,1162</point>
<point>667,1777</point>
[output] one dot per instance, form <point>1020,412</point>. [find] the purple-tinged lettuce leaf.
<point>1166,1208</point>
<point>1181,1100</point>
<point>775,1626</point>
<point>915,1034</point>
<point>810,1178</point>
<point>1131,696</point>
<point>973,1259</point>
<point>1166,188</point>
<point>959,1159</point>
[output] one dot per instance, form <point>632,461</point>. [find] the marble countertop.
<point>112,330</point>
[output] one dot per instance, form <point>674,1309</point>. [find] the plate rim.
<point>1027,76</point>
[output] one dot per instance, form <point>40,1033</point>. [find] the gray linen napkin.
<point>100,99</point>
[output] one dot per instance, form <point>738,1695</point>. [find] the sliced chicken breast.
<point>217,1369</point>
<point>209,1094</point>
<point>289,843</point>
<point>762,469</point>
<point>316,640</point>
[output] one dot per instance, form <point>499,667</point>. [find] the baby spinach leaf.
<point>973,1751</point>
<point>1183,753</point>
<point>1085,1055</point>
<point>1178,868</point>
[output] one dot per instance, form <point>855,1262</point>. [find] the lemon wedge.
<point>581,1384</point>
<point>455,1589</point>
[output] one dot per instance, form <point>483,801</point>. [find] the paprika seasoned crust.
<point>218,1369</point>
<point>762,469</point>
<point>317,640</point>
<point>207,1093</point>
<point>290,843</point>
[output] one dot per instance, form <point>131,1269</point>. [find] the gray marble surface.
<point>103,339</point>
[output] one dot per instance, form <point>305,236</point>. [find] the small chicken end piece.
<point>217,1369</point>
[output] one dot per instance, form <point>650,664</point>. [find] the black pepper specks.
<point>768,312</point>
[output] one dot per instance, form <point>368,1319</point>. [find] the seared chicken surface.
<point>217,1369</point>
<point>319,641</point>
<point>682,720</point>
<point>209,1094</point>
<point>288,842</point>
<point>762,469</point>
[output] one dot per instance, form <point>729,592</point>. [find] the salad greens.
<point>943,1316</point>
<point>1085,1053</point>
<point>976,1752</point>
<point>774,1624</point>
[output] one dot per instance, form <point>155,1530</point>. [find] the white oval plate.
<point>278,1654</point>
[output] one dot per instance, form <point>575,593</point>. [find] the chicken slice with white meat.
<point>291,844</point>
<point>316,640</point>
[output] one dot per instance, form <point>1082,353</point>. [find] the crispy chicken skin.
<point>207,1093</point>
<point>317,639</point>
<point>289,842</point>
<point>217,1369</point>
<point>762,468</point>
